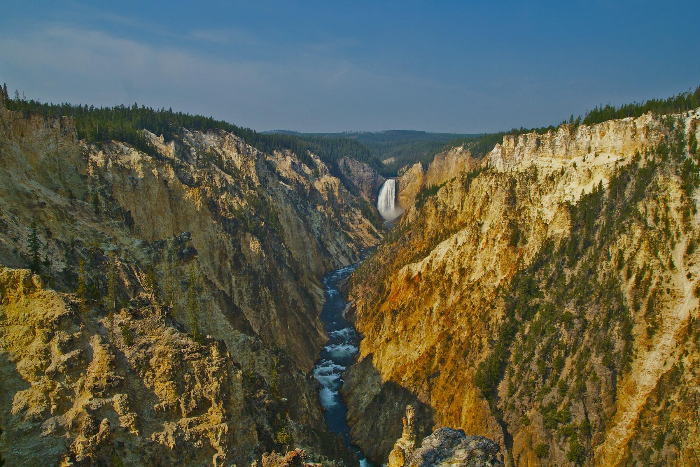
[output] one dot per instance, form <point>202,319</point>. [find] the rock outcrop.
<point>449,447</point>
<point>568,142</point>
<point>541,299</point>
<point>444,167</point>
<point>404,446</point>
<point>450,164</point>
<point>86,389</point>
<point>444,447</point>
<point>293,458</point>
<point>410,182</point>
<point>364,178</point>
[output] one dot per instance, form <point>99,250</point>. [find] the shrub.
<point>659,441</point>
<point>127,335</point>
<point>553,417</point>
<point>425,193</point>
<point>116,461</point>
<point>542,450</point>
<point>283,437</point>
<point>562,388</point>
<point>576,452</point>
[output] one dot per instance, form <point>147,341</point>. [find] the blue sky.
<point>334,66</point>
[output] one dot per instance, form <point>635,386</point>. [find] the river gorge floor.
<point>336,356</point>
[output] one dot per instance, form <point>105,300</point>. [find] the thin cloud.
<point>96,67</point>
<point>225,36</point>
<point>306,92</point>
<point>299,91</point>
<point>87,14</point>
<point>333,45</point>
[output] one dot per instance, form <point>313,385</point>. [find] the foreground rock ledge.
<point>445,447</point>
<point>450,447</point>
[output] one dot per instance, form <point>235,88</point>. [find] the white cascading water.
<point>386,201</point>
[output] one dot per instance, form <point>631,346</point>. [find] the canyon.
<point>174,312</point>
<point>180,303</point>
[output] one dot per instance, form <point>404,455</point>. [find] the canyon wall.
<point>444,167</point>
<point>362,177</point>
<point>172,312</point>
<point>449,164</point>
<point>545,299</point>
<point>410,181</point>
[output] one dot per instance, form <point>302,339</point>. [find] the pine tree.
<point>34,247</point>
<point>283,437</point>
<point>81,291</point>
<point>149,283</point>
<point>275,384</point>
<point>169,280</point>
<point>112,283</point>
<point>193,304</point>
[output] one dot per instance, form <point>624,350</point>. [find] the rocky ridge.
<point>410,182</point>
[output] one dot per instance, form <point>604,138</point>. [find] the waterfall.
<point>386,201</point>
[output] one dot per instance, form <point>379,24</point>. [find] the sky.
<point>328,66</point>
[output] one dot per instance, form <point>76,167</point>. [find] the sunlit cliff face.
<point>541,300</point>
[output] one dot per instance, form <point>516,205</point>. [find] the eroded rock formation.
<point>444,447</point>
<point>449,447</point>
<point>410,182</point>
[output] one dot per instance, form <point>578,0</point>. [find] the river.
<point>335,357</point>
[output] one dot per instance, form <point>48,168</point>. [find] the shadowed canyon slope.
<point>174,313</point>
<point>545,297</point>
